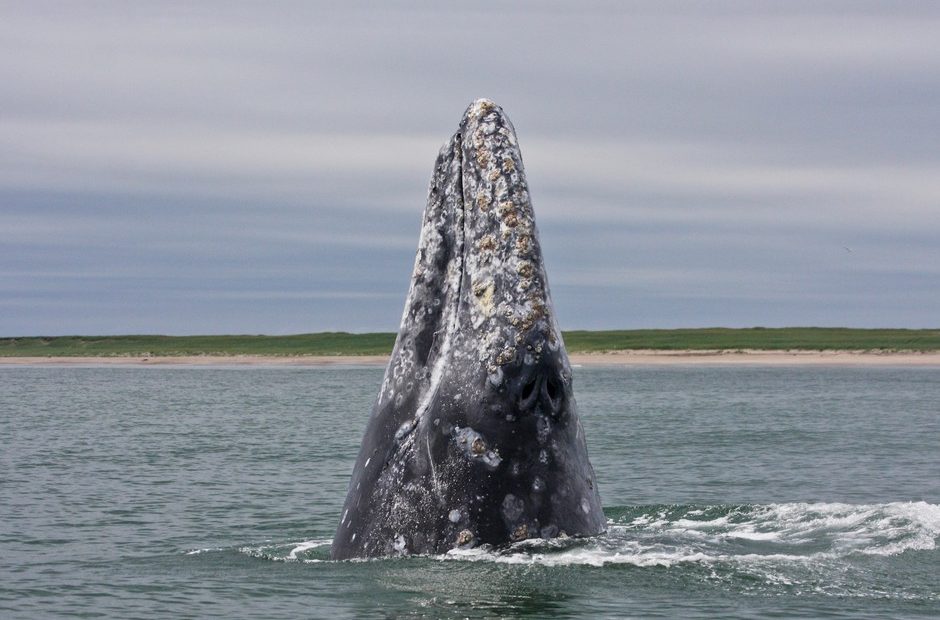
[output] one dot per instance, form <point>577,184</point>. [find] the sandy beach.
<point>613,358</point>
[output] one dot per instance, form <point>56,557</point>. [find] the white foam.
<point>764,540</point>
<point>286,552</point>
<point>768,536</point>
<point>583,556</point>
<point>205,550</point>
<point>305,546</point>
<point>751,535</point>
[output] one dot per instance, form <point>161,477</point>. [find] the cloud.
<point>267,166</point>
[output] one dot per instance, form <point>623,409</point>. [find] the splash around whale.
<point>474,438</point>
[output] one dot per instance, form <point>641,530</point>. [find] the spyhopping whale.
<point>474,438</point>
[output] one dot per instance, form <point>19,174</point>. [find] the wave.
<point>737,536</point>
<point>868,551</point>
<point>307,551</point>
<point>665,535</point>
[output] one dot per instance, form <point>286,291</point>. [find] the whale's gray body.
<point>475,437</point>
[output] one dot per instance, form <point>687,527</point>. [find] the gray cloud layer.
<point>238,167</point>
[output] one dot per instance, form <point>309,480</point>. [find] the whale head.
<point>475,436</point>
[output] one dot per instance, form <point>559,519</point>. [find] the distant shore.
<point>628,346</point>
<point>638,357</point>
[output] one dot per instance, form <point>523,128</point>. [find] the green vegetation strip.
<point>342,343</point>
<point>776,339</point>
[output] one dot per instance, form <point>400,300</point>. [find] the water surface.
<point>213,492</point>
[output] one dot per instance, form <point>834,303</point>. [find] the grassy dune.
<point>776,339</point>
<point>342,343</point>
<point>327,343</point>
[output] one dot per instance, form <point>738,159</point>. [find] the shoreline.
<point>611,358</point>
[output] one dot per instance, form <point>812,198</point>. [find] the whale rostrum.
<point>474,438</point>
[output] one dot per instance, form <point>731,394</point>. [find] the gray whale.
<point>474,438</point>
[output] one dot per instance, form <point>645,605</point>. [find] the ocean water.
<point>213,493</point>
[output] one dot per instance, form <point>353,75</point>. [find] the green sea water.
<point>730,492</point>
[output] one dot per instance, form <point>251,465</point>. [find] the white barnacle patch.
<point>521,532</point>
<point>585,505</point>
<point>488,127</point>
<point>508,133</point>
<point>399,544</point>
<point>483,158</point>
<point>501,189</point>
<point>512,508</point>
<point>474,446</point>
<point>491,459</point>
<point>538,485</point>
<point>483,292</point>
<point>483,200</point>
<point>404,429</point>
<point>454,516</point>
<point>478,139</point>
<point>495,377</point>
<point>505,356</point>
<point>543,457</point>
<point>481,107</point>
<point>543,428</point>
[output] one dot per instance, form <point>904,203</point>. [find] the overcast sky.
<point>225,167</point>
